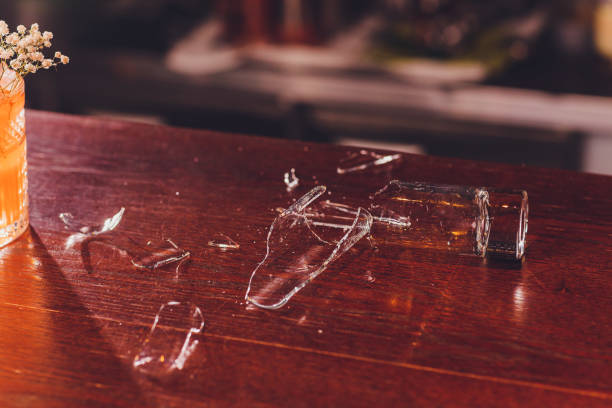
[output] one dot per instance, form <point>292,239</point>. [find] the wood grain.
<point>431,329</point>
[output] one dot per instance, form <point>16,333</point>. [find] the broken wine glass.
<point>301,244</point>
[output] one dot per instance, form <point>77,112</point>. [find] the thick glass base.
<point>11,232</point>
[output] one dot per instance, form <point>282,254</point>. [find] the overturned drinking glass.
<point>466,220</point>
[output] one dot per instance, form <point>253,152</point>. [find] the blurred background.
<point>517,81</point>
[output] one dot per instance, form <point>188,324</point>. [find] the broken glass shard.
<point>387,206</point>
<point>156,255</point>
<point>327,214</point>
<point>67,218</point>
<point>152,255</point>
<point>365,159</point>
<point>106,225</point>
<point>170,341</point>
<point>300,245</point>
<point>385,216</point>
<point>291,180</point>
<point>82,231</point>
<point>223,242</point>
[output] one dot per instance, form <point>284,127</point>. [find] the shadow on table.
<point>49,339</point>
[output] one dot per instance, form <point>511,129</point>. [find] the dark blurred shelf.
<point>305,105</point>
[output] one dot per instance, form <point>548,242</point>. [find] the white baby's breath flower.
<point>35,37</point>
<point>37,56</point>
<point>6,53</point>
<point>12,38</point>
<point>23,50</point>
<point>4,29</point>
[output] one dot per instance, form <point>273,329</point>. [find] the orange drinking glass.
<point>14,218</point>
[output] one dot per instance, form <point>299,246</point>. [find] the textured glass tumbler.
<point>465,220</point>
<point>13,167</point>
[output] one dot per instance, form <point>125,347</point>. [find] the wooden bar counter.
<point>380,327</point>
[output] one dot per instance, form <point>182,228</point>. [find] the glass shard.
<point>385,216</point>
<point>327,214</point>
<point>223,242</point>
<point>389,208</point>
<point>67,218</point>
<point>82,231</point>
<point>291,180</point>
<point>153,255</point>
<point>365,159</point>
<point>300,245</point>
<point>156,255</point>
<point>170,341</point>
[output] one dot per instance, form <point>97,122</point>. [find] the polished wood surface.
<point>381,327</point>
